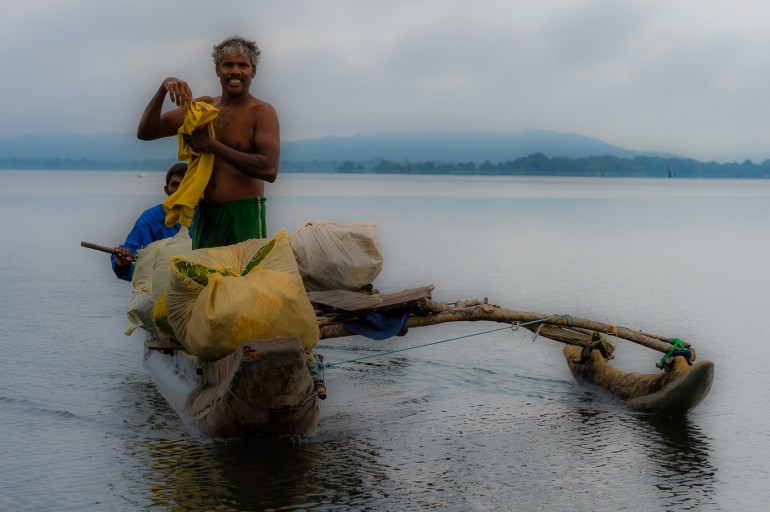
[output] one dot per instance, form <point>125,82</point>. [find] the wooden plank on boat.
<point>354,302</point>
<point>154,344</point>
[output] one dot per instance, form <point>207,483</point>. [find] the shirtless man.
<point>246,149</point>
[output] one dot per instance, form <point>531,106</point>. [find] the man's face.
<point>235,74</point>
<point>173,184</point>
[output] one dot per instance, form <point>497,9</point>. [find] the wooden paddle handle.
<point>101,248</point>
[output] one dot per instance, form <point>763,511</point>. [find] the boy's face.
<point>173,184</point>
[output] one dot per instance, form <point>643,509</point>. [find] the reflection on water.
<point>669,452</point>
<point>260,474</point>
<point>227,475</point>
<point>601,457</point>
<point>684,454</point>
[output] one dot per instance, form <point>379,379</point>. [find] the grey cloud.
<point>687,77</point>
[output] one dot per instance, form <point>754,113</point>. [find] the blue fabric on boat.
<point>379,326</point>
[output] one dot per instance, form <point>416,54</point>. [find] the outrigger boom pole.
<point>568,329</point>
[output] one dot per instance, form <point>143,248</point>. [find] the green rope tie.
<point>676,343</point>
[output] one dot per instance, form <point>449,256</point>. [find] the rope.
<point>513,327</point>
<point>600,343</point>
<point>677,349</point>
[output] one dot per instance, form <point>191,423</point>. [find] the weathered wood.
<point>677,389</point>
<point>163,345</point>
<point>264,388</point>
<point>565,335</point>
<point>344,300</point>
<point>358,303</point>
<point>434,313</point>
<point>97,247</point>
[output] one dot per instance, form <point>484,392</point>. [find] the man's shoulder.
<point>261,104</point>
<point>154,213</point>
<point>262,112</point>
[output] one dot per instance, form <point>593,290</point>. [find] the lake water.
<point>489,422</point>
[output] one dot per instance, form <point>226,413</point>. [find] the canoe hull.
<point>674,391</point>
<point>264,388</point>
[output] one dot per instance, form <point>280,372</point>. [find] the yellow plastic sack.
<point>161,267</point>
<point>139,311</point>
<point>264,304</point>
<point>152,273</point>
<point>220,297</point>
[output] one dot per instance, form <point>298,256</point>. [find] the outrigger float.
<point>273,387</point>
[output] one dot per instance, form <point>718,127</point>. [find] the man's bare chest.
<point>234,130</point>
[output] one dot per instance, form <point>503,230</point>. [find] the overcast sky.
<point>689,77</point>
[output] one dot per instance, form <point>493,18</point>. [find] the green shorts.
<point>228,223</point>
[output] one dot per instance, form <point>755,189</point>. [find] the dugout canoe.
<point>264,388</point>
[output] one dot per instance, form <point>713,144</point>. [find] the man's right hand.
<point>123,257</point>
<point>178,90</point>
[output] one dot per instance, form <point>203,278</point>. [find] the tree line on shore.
<point>539,164</point>
<point>536,164</point>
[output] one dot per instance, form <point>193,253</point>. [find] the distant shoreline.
<point>533,165</point>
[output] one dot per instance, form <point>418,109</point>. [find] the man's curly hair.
<point>236,46</point>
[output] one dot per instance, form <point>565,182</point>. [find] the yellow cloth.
<point>181,204</point>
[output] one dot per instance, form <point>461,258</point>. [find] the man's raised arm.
<point>154,124</point>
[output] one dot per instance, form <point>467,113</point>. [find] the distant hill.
<point>453,147</point>
<point>444,147</point>
<point>530,153</point>
<point>106,146</point>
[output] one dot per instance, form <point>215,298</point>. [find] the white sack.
<point>334,256</point>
